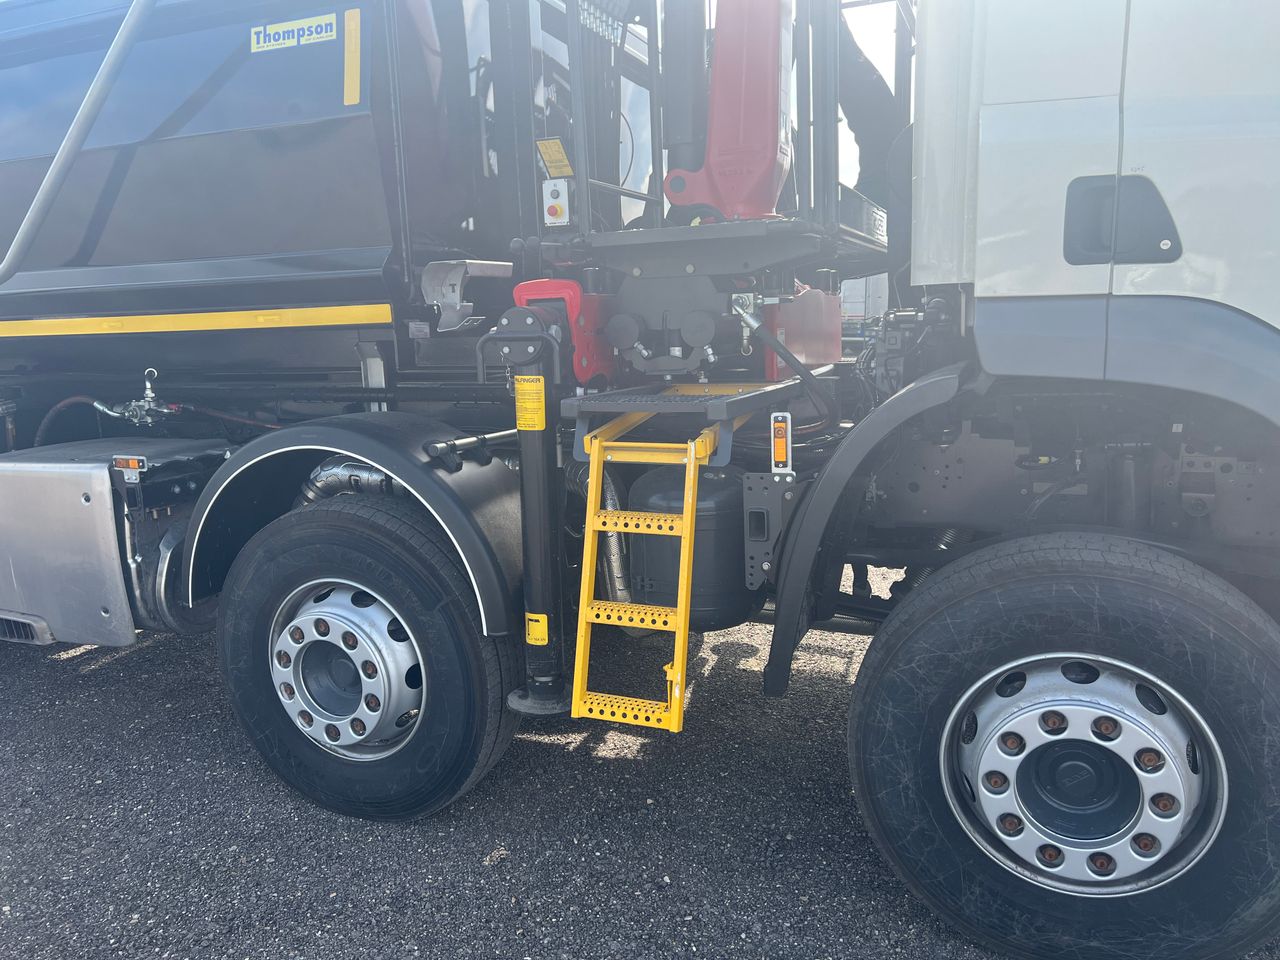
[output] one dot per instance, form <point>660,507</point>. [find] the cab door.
<point>1049,136</point>
<point>1202,128</point>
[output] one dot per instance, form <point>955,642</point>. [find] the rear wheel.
<point>352,650</point>
<point>1061,744</point>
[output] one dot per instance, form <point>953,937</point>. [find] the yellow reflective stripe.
<point>351,72</point>
<point>357,316</point>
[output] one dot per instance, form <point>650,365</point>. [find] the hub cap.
<point>346,670</point>
<point>1083,774</point>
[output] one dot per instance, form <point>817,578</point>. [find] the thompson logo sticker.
<point>295,33</point>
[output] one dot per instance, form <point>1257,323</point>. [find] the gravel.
<point>138,822</point>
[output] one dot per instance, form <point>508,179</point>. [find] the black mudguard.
<point>478,506</point>
<point>805,536</point>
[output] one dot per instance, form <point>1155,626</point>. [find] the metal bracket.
<point>768,500</point>
<point>444,285</point>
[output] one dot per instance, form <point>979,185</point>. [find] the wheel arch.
<point>807,531</point>
<point>478,507</point>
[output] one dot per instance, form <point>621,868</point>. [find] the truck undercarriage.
<point>598,390</point>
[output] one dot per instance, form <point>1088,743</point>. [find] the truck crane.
<point>423,349</point>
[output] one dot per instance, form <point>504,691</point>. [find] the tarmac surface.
<point>138,822</point>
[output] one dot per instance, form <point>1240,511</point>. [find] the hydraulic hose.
<point>807,379</point>
<point>42,432</point>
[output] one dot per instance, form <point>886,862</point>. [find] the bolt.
<point>358,727</point>
<point>530,348</point>
<point>322,627</point>
<point>331,731</point>
<point>1012,743</point>
<point>506,349</point>
<point>1166,244</point>
<point>284,659</point>
<point>349,640</point>
<point>1010,824</point>
<point>688,268</point>
<point>766,566</point>
<point>373,703</point>
<point>1149,761</point>
<point>1049,855</point>
<point>1106,728</point>
<point>528,321</point>
<point>1164,803</point>
<point>296,634</point>
<point>1051,721</point>
<point>1102,864</point>
<point>1145,844</point>
<point>287,691</point>
<point>305,718</point>
<point>369,669</point>
<point>996,781</point>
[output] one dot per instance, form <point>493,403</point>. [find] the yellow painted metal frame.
<point>605,445</point>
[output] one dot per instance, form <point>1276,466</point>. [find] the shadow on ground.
<point>138,822</point>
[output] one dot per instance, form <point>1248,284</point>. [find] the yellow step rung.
<point>604,446</point>
<point>640,713</point>
<point>633,615</point>
<point>629,521</point>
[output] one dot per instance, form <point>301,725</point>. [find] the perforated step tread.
<point>633,615</point>
<point>629,521</point>
<point>640,713</point>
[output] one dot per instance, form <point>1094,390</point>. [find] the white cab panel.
<point>1015,99</point>
<point>1202,121</point>
<point>1030,153</point>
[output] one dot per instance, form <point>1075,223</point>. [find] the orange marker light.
<point>780,436</point>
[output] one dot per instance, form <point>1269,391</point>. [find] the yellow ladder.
<point>604,447</point>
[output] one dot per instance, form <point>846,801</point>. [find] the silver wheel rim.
<point>1083,774</point>
<point>346,670</point>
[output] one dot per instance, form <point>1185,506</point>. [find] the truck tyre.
<point>1063,745</point>
<point>351,645</point>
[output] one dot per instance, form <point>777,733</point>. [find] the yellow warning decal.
<point>351,56</point>
<point>531,406</point>
<point>294,33</point>
<point>536,631</point>
<point>555,158</point>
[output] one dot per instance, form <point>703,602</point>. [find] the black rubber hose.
<point>811,384</point>
<point>46,424</point>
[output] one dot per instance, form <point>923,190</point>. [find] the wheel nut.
<point>332,732</point>
<point>1102,864</point>
<point>373,703</point>
<point>287,691</point>
<point>1010,824</point>
<point>1051,721</point>
<point>349,640</point>
<point>1146,845</point>
<point>305,718</point>
<point>1012,743</point>
<point>357,727</point>
<point>1106,728</point>
<point>1149,761</point>
<point>296,634</point>
<point>996,781</point>
<point>322,627</point>
<point>1164,804</point>
<point>283,659</point>
<point>369,669</point>
<point>1049,855</point>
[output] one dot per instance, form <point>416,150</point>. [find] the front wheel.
<point>1062,744</point>
<point>351,647</point>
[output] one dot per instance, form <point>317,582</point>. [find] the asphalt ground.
<point>138,822</point>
